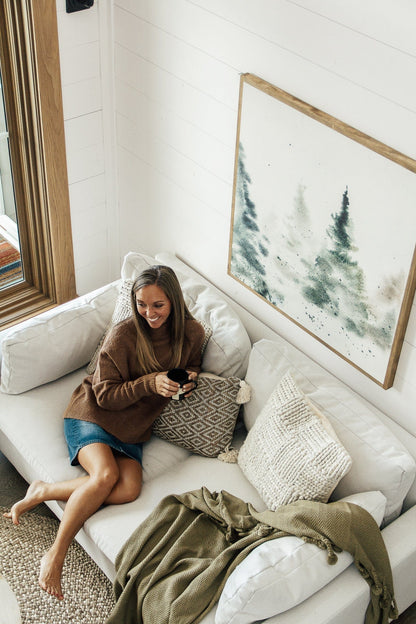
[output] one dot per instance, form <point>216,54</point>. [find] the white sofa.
<point>282,582</point>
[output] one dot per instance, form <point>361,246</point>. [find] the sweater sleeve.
<point>112,383</point>
<point>112,392</point>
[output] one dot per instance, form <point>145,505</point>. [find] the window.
<point>29,61</point>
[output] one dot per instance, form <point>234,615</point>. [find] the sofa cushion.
<point>55,342</point>
<point>112,525</point>
<point>379,459</point>
<point>281,573</point>
<point>290,452</point>
<point>204,422</point>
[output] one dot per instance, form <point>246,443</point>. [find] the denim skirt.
<point>80,433</point>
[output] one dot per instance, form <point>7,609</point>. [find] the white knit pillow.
<point>291,452</point>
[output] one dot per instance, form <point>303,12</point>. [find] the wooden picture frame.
<point>323,226</point>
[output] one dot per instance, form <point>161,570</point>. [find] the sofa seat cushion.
<point>379,460</point>
<point>111,526</point>
<point>33,424</point>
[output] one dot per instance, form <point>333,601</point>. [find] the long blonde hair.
<point>165,278</point>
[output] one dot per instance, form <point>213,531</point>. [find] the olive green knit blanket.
<point>174,566</point>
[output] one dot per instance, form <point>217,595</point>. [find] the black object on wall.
<point>78,5</point>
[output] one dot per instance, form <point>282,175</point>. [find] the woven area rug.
<point>88,595</point>
<point>10,263</point>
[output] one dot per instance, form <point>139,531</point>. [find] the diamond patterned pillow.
<point>204,422</point>
<point>291,452</point>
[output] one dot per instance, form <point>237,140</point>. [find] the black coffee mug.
<point>180,376</point>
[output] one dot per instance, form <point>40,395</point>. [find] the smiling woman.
<point>30,71</point>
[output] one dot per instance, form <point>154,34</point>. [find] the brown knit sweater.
<point>119,397</point>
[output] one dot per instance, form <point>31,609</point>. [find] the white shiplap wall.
<point>86,70</point>
<point>177,66</point>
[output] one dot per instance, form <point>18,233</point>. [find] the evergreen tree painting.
<point>336,283</point>
<point>323,227</point>
<point>295,244</point>
<point>249,245</point>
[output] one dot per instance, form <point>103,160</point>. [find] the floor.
<point>13,487</point>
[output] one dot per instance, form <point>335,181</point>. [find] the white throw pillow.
<point>379,459</point>
<point>291,453</point>
<point>281,573</point>
<point>55,342</point>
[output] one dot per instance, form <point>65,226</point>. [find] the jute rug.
<point>88,596</point>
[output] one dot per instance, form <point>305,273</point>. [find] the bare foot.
<point>50,575</point>
<point>34,495</point>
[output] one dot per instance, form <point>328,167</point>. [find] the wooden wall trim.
<point>33,99</point>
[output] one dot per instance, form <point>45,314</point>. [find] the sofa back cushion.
<point>55,342</point>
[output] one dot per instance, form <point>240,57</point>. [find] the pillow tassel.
<point>244,394</point>
<point>229,455</point>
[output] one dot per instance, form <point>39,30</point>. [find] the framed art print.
<point>323,226</point>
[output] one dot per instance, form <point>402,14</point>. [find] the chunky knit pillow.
<point>204,422</point>
<point>291,452</point>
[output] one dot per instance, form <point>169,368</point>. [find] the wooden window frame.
<point>29,57</point>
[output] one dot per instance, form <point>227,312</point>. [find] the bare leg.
<point>127,488</point>
<point>40,492</point>
<point>113,480</point>
<point>129,484</point>
<point>98,460</point>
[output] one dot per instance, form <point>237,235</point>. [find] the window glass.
<point>11,270</point>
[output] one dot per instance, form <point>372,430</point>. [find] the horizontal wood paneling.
<point>374,18</point>
<point>185,100</point>
<point>188,170</point>
<point>179,133</point>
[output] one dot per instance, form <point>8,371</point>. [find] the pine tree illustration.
<point>295,247</point>
<point>337,282</point>
<point>249,245</point>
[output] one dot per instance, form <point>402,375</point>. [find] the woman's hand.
<point>167,388</point>
<point>193,383</point>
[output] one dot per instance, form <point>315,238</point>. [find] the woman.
<point>111,413</point>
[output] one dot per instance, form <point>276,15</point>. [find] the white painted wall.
<point>176,79</point>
